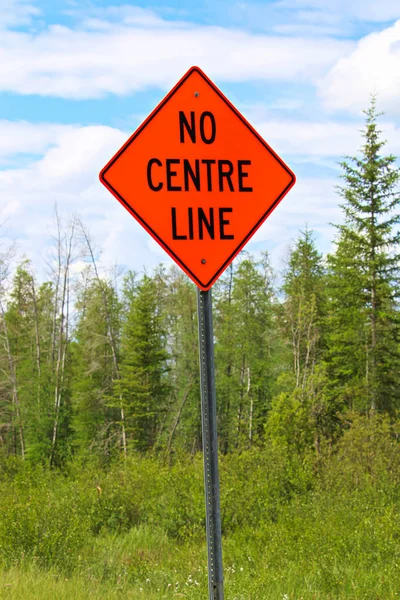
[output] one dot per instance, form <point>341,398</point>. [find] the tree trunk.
<point>14,388</point>
<point>178,417</point>
<point>62,334</point>
<point>37,340</point>
<point>251,408</point>
<point>110,336</point>
<point>374,310</point>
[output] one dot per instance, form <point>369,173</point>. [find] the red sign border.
<point>103,172</point>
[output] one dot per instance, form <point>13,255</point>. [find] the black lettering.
<point>209,224</point>
<point>194,176</point>
<point>184,124</point>
<point>171,174</point>
<point>225,174</point>
<point>222,223</point>
<point>211,139</point>
<point>242,174</point>
<point>153,161</point>
<point>190,219</point>
<point>175,235</point>
<point>208,162</point>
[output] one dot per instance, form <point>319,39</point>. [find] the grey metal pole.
<point>210,446</point>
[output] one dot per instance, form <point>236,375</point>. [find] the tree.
<point>65,254</point>
<point>305,417</point>
<point>245,363</point>
<point>13,409</point>
<point>303,307</point>
<point>26,333</point>
<point>143,384</point>
<point>303,414</point>
<point>22,342</point>
<point>94,421</point>
<point>111,334</point>
<point>365,276</point>
<point>184,421</point>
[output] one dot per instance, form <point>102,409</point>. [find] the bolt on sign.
<point>201,181</point>
<point>198,178</point>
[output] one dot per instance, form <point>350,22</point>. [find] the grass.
<point>275,563</point>
<point>288,533</point>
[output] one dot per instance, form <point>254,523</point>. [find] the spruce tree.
<point>95,422</point>
<point>143,384</point>
<point>365,276</point>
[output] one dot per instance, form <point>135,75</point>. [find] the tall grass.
<point>294,528</point>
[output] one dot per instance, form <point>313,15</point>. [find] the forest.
<point>101,491</point>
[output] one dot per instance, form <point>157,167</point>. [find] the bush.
<point>41,518</point>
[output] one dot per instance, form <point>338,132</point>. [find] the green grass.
<point>277,562</point>
<point>136,530</point>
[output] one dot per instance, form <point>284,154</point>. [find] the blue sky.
<point>77,77</point>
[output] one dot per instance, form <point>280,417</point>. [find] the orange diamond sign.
<point>198,178</point>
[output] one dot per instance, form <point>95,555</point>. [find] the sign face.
<point>198,178</point>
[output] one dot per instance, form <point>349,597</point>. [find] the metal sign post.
<point>210,446</point>
<point>202,211</point>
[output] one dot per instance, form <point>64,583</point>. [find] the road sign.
<point>198,178</point>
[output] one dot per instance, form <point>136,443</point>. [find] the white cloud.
<point>16,12</point>
<point>317,140</point>
<point>311,17</point>
<point>20,137</point>
<point>374,66</point>
<point>67,174</point>
<point>65,146</point>
<point>106,57</point>
<point>367,10</point>
<point>128,15</point>
<point>374,11</point>
<point>130,49</point>
<point>312,202</point>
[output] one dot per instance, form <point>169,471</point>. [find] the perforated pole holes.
<point>194,146</point>
<point>210,446</point>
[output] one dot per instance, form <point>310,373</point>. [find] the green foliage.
<point>182,429</point>
<point>102,386</point>
<point>364,286</point>
<point>98,319</point>
<point>245,352</point>
<point>42,519</point>
<point>304,307</point>
<point>305,417</point>
<point>143,384</point>
<point>367,454</point>
<point>137,529</point>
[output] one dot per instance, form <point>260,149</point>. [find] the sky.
<point>77,77</point>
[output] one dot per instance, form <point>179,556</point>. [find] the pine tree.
<point>365,277</point>
<point>143,383</point>
<point>94,422</point>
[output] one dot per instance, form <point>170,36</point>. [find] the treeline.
<point>91,368</point>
